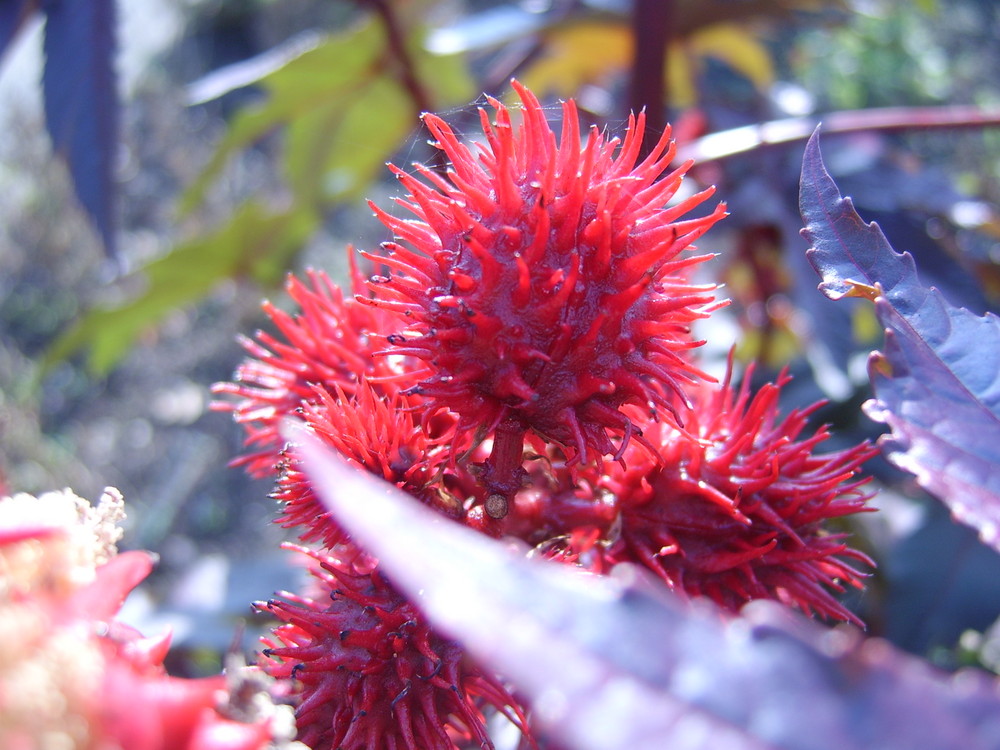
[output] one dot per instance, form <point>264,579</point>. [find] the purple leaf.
<point>619,663</point>
<point>937,384</point>
<point>81,103</point>
<point>850,255</point>
<point>13,14</point>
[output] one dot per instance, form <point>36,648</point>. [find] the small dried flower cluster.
<point>524,362</point>
<point>71,676</point>
<point>78,537</point>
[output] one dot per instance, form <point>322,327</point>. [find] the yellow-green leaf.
<point>592,52</point>
<point>577,54</point>
<point>325,76</point>
<point>255,243</point>
<point>445,76</point>
<point>335,151</point>
<point>344,109</point>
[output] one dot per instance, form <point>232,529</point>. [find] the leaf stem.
<point>418,93</point>
<point>397,46</point>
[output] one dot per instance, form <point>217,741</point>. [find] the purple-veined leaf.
<point>81,102</point>
<point>619,663</point>
<point>937,382</point>
<point>13,14</point>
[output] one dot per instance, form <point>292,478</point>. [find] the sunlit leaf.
<point>619,663</point>
<point>445,76</point>
<point>81,104</point>
<point>337,149</point>
<point>591,52</point>
<point>254,244</point>
<point>579,53</point>
<point>937,382</point>
<point>345,111</point>
<point>508,23</point>
<point>249,72</point>
<point>326,76</point>
<point>334,151</point>
<point>342,102</point>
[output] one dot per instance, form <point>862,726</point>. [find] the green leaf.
<point>445,76</point>
<point>344,108</point>
<point>255,244</point>
<point>334,152</point>
<point>325,77</point>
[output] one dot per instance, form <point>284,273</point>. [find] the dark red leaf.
<point>937,384</point>
<point>618,662</point>
<point>81,103</point>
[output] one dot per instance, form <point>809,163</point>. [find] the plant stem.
<point>397,46</point>
<point>419,94</point>
<point>652,27</point>
<point>503,474</point>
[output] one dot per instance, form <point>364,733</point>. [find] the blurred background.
<point>164,164</point>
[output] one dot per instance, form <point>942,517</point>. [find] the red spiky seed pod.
<point>380,430</point>
<point>736,506</point>
<point>330,342</point>
<point>370,673</point>
<point>542,284</point>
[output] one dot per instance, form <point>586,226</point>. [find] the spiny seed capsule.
<point>543,286</point>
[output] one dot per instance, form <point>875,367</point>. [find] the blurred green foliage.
<point>343,108</point>
<point>255,243</point>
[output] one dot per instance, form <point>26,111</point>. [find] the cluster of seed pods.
<point>521,359</point>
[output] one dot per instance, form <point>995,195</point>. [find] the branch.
<point>397,46</point>
<point>775,133</point>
